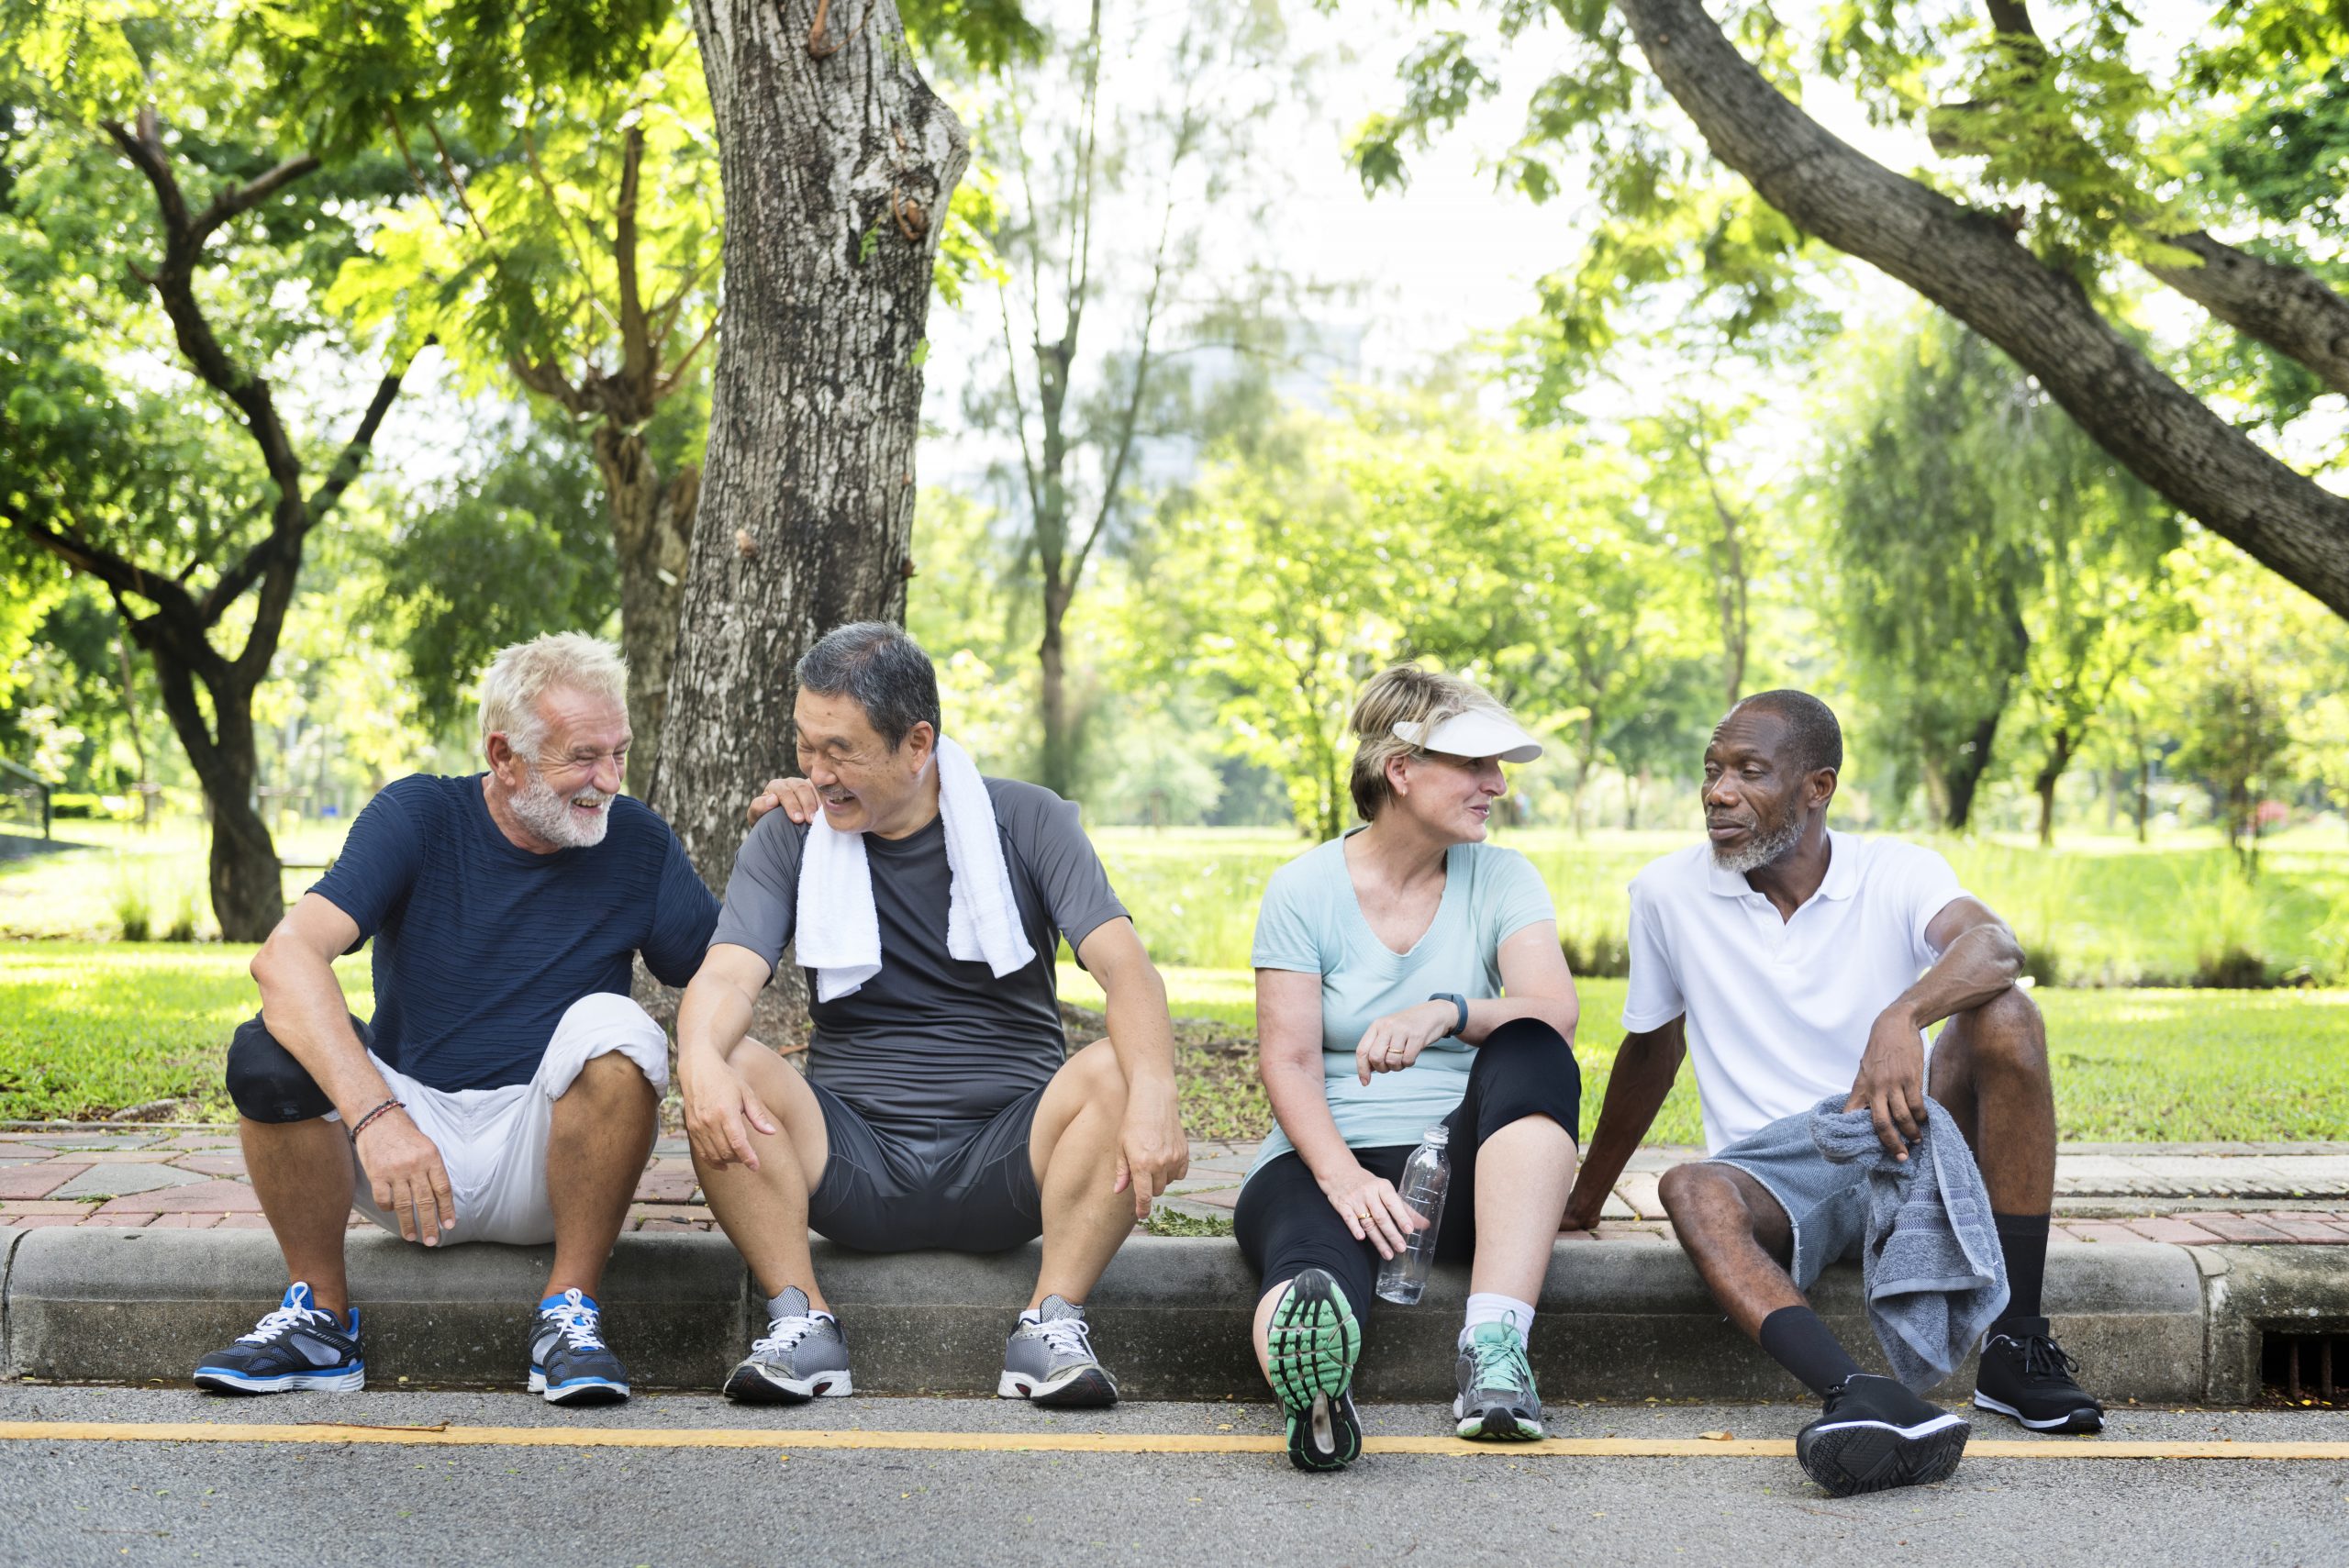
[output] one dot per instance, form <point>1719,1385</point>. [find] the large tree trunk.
<point>246,880</point>
<point>1971,265</point>
<point>837,161</point>
<point>653,522</point>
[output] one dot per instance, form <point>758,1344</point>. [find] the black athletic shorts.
<point>966,1187</point>
<point>1286,1225</point>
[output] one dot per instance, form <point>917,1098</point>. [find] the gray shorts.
<point>966,1187</point>
<point>1826,1204</point>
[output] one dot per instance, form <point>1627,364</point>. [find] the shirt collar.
<point>1842,872</point>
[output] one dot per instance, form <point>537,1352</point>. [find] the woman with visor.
<point>1408,976</point>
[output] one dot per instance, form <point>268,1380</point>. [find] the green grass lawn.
<point>2099,911</point>
<point>2130,1066</point>
<point>88,1028</point>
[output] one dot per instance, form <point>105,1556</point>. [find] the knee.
<point>266,1083</point>
<point>1101,1075</point>
<point>615,1072</point>
<point>1689,1191</point>
<point>2006,1034</point>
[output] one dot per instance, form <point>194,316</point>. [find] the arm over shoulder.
<point>762,894</point>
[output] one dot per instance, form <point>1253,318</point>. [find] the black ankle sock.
<point>1796,1339</point>
<point>2023,1239</point>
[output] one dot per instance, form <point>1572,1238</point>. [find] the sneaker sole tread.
<point>1869,1456</point>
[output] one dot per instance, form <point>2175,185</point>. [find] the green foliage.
<point>518,547</point>
<point>1521,559</point>
<point>1984,546</point>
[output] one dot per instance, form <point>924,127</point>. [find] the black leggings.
<point>1285,1224</point>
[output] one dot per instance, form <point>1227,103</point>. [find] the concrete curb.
<point>1621,1320</point>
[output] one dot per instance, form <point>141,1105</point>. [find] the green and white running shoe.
<point>1313,1344</point>
<point>1497,1395</point>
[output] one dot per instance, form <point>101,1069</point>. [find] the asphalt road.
<point>72,1502</point>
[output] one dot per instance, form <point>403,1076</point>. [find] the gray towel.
<point>1935,1274</point>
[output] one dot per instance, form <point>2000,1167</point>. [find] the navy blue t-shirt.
<point>481,946</point>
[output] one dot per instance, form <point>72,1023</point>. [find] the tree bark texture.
<point>1972,266</point>
<point>837,161</point>
<point>2290,310</point>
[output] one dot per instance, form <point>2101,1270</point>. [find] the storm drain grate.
<point>2306,1367</point>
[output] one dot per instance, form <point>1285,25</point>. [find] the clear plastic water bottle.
<point>1402,1277</point>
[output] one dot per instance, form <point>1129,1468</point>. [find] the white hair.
<point>520,675</point>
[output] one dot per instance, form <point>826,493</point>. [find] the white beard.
<point>1761,849</point>
<point>549,814</point>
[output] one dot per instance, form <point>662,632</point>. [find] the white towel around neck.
<point>838,933</point>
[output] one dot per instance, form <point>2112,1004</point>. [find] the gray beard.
<point>1761,849</point>
<point>548,815</point>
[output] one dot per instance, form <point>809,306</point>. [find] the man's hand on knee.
<point>1151,1150</point>
<point>407,1178</point>
<point>1891,1084</point>
<point>721,1110</point>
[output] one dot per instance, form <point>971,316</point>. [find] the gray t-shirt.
<point>931,1038</point>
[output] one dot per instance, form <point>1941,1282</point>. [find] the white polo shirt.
<point>1779,1010</point>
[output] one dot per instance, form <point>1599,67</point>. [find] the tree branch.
<point>636,368</point>
<point>245,197</point>
<point>173,283</point>
<point>1971,266</point>
<point>2288,309</point>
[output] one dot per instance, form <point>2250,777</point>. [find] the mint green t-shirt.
<point>1311,922</point>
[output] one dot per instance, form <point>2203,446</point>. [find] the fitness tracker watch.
<point>1457,1000</point>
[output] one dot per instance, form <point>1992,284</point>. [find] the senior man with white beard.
<point>506,1089</point>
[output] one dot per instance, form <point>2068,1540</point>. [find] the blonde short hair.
<point>1405,694</point>
<point>521,674</point>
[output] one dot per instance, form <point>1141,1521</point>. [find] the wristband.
<point>362,1124</point>
<point>1457,1000</point>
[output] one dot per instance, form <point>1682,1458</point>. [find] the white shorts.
<point>493,1141</point>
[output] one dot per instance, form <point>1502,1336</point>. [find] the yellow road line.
<point>1079,1442</point>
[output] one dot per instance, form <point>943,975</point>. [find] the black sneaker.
<point>2026,1375</point>
<point>1313,1343</point>
<point>1875,1434</point>
<point>299,1346</point>
<point>569,1363</point>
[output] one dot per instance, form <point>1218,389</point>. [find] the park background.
<point>1264,345</point>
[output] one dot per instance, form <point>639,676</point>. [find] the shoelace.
<point>279,1323</point>
<point>581,1324</point>
<point>784,1335</point>
<point>2043,1357</point>
<point>1065,1336</point>
<point>1496,1359</point>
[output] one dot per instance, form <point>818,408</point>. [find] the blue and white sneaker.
<point>569,1363</point>
<point>301,1345</point>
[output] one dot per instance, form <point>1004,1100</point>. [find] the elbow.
<point>269,959</point>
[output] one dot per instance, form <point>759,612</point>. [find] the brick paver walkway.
<point>193,1178</point>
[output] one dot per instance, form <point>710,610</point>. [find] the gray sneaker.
<point>1050,1361</point>
<point>801,1357</point>
<point>1497,1395</point>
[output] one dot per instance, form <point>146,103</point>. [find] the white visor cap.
<point>1475,733</point>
